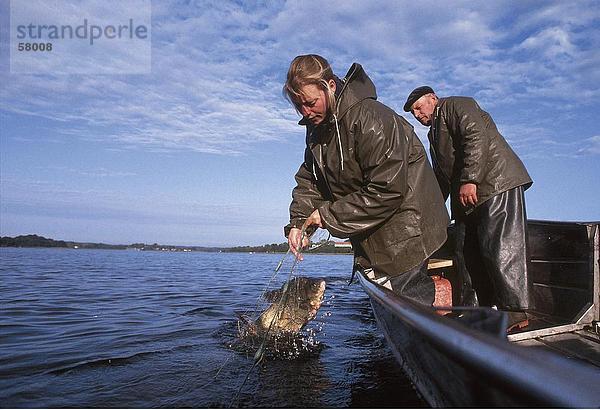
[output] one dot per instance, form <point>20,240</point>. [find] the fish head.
<point>307,293</point>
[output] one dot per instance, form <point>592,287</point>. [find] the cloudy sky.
<point>198,146</point>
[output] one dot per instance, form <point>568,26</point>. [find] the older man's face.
<point>423,108</point>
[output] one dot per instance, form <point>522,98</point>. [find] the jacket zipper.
<point>434,135</point>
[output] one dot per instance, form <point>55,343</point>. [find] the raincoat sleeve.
<point>471,126</point>
<point>305,196</point>
<point>382,148</point>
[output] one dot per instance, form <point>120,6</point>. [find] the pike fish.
<point>292,307</point>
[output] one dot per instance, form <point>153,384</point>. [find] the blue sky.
<point>202,149</point>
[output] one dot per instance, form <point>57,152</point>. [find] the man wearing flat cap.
<point>486,181</point>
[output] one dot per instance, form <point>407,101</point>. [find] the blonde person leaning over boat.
<point>365,176</point>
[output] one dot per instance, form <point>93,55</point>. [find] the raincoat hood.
<point>356,86</point>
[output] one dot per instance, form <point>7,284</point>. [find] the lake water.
<point>101,328</point>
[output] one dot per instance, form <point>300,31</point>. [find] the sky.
<point>197,146</point>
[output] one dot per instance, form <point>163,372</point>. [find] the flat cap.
<point>415,95</point>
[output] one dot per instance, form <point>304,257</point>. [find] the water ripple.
<point>95,328</point>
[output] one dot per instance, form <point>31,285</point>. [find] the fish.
<point>292,307</point>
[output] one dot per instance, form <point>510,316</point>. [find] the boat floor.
<point>578,344</point>
<point>549,332</point>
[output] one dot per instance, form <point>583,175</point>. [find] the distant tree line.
<point>31,241</point>
<point>321,247</point>
<point>36,241</point>
<point>270,248</point>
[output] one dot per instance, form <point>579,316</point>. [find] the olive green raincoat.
<point>367,172</point>
<point>466,147</point>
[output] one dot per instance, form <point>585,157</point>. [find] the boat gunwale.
<point>505,362</point>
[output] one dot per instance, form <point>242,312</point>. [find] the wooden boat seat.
<point>439,263</point>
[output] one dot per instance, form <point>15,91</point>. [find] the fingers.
<point>291,245</point>
<point>305,242</point>
<point>314,219</point>
<point>295,242</point>
<point>297,254</point>
<point>295,251</point>
<point>467,195</point>
<point>468,199</point>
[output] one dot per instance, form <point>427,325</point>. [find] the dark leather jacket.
<point>368,174</point>
<point>467,147</point>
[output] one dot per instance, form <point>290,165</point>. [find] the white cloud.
<point>552,42</point>
<point>218,67</point>
<point>591,146</point>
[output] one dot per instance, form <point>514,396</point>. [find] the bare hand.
<point>296,242</point>
<point>314,219</point>
<point>467,195</point>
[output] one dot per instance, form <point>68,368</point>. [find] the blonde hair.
<point>305,70</point>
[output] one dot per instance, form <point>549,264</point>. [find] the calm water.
<point>97,328</point>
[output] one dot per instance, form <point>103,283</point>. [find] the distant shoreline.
<point>36,241</point>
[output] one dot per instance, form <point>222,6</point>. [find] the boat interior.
<point>564,277</point>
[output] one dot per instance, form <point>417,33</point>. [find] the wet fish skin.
<point>291,308</point>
